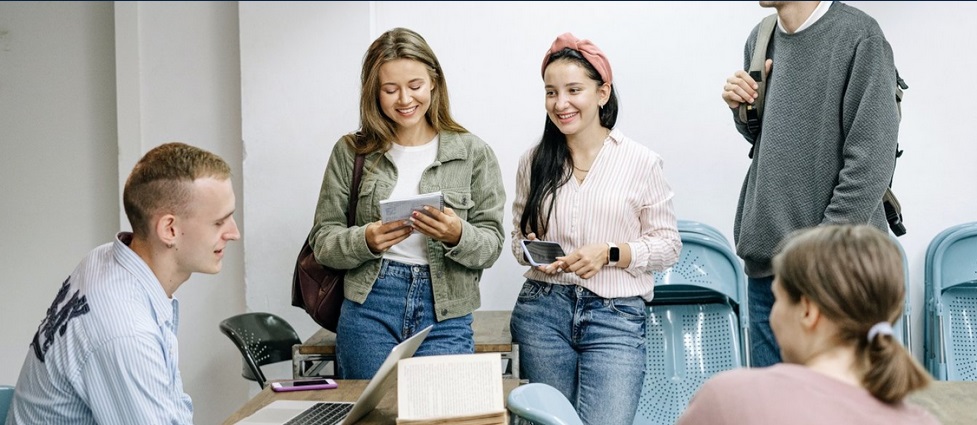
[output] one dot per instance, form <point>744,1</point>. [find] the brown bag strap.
<point>354,192</point>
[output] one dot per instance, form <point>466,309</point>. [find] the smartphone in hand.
<point>542,253</point>
<point>304,384</point>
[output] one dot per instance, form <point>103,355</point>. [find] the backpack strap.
<point>750,114</point>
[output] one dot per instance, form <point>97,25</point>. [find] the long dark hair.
<point>552,165</point>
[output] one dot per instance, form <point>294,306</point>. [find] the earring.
<point>170,246</point>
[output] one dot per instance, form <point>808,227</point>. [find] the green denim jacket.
<point>466,171</point>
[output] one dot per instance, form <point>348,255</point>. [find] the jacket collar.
<point>452,147</point>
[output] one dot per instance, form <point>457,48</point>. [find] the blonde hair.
<point>377,131</point>
<point>160,182</point>
<point>854,274</point>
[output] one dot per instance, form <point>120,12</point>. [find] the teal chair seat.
<point>541,404</point>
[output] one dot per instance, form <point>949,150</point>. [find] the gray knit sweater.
<point>826,150</point>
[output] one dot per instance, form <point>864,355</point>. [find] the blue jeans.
<point>400,304</point>
<point>764,350</point>
<point>590,348</point>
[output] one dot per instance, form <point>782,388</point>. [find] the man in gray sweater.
<point>826,148</point>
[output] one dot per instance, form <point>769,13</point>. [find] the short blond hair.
<point>160,182</point>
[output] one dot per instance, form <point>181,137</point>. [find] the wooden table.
<point>385,413</point>
<point>491,336</point>
<point>952,402</point>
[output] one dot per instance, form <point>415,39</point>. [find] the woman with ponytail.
<point>838,289</point>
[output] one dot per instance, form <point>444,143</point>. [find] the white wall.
<point>57,157</point>
<point>80,103</point>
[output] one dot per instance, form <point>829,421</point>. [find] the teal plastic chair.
<point>6,396</point>
<point>951,304</point>
<point>262,338</point>
<point>900,329</point>
<point>541,404</point>
<point>696,327</point>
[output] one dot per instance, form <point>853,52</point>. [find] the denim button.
<point>579,289</point>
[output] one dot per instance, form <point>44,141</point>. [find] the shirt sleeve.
<point>518,206</point>
<point>133,380</point>
<point>870,119</point>
<point>660,244</point>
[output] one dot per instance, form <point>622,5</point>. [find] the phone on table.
<point>304,384</point>
<point>542,253</point>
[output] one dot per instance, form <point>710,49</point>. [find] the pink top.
<point>794,394</point>
<point>623,198</point>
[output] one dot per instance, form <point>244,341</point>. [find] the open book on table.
<point>401,208</point>
<point>463,389</point>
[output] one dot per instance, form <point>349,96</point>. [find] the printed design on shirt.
<point>62,310</point>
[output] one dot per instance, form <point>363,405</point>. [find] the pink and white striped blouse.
<point>623,198</point>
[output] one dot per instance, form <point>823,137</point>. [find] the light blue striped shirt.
<point>106,353</point>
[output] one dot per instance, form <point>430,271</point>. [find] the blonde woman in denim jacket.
<point>405,275</point>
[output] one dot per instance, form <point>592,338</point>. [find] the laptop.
<point>289,412</point>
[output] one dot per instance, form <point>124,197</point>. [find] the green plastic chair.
<point>262,338</point>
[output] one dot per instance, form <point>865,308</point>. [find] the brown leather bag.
<point>317,288</point>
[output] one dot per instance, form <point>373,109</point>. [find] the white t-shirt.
<point>411,162</point>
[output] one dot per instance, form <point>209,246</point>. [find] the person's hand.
<point>586,261</point>
<point>741,88</point>
<point>380,237</point>
<point>442,226</point>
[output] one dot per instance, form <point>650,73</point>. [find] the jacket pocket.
<point>460,201</point>
<point>368,204</point>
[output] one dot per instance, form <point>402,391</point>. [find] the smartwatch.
<point>613,254</point>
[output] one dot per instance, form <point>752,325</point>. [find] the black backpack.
<point>750,114</point>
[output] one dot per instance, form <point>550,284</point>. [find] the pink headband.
<point>588,50</point>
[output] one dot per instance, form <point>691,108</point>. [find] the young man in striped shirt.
<point>107,352</point>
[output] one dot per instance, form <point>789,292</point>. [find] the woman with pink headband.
<point>837,290</point>
<point>580,320</point>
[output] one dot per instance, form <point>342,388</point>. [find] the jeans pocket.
<point>531,290</point>
<point>631,308</point>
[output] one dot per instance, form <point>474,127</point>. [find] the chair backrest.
<point>262,338</point>
<point>6,396</point>
<point>707,270</point>
<point>691,226</point>
<point>542,404</point>
<point>696,326</point>
<point>901,330</point>
<point>951,304</point>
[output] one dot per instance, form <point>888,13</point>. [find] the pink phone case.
<point>321,384</point>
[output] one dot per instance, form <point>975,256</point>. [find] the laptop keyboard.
<point>322,414</point>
